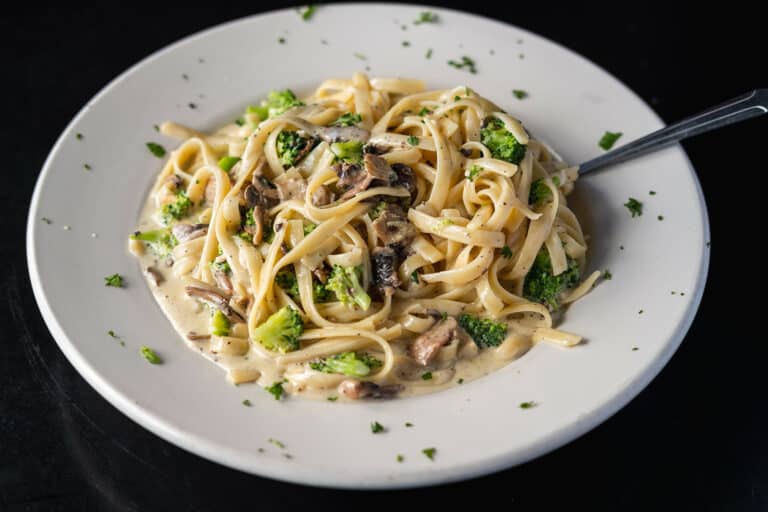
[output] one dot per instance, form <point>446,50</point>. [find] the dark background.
<point>695,439</point>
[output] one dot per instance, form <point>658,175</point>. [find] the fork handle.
<point>744,107</point>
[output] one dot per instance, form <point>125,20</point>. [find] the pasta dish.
<point>370,240</point>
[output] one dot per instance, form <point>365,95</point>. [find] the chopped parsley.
<point>429,54</point>
<point>87,167</point>
<point>660,217</point>
<point>157,128</point>
<point>79,136</point>
<point>506,252</point>
<point>609,139</point>
<point>415,276</point>
<point>228,162</point>
<point>155,149</point>
<point>276,389</point>
<point>424,111</point>
<point>377,427</point>
<point>520,94</point>
<point>307,13</point>
<point>408,424</point>
<point>527,405</point>
<point>400,458</point>
<point>239,121</point>
<point>634,206</point>
<point>456,98</point>
<point>332,398</point>
<point>426,376</point>
<point>465,63</point>
<point>150,355</point>
<point>474,172</point>
<point>281,40</point>
<point>193,106</point>
<point>425,17</point>
<point>247,402</point>
<point>607,274</point>
<point>46,220</point>
<point>185,76</point>
<point>652,192</point>
<point>360,56</point>
<point>413,140</point>
<point>429,452</point>
<point>461,381</point>
<point>113,334</point>
<point>635,348</point>
<point>115,280</point>
<point>277,443</point>
<point>406,44</point>
<point>348,119</point>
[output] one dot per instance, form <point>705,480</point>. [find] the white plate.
<point>477,428</point>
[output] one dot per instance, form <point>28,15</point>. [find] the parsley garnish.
<point>634,206</point>
<point>461,381</point>
<point>527,405</point>
<point>86,167</point>
<point>426,17</point>
<point>660,217</point>
<point>408,424</point>
<point>150,355</point>
<point>247,402</point>
<point>400,458</point>
<point>474,172</point>
<point>112,334</point>
<point>413,140</point>
<point>465,63</point>
<point>377,427</point>
<point>406,44</point>
<point>46,220</point>
<point>115,280</point>
<point>429,54</point>
<point>348,119</point>
<point>424,111</point>
<point>308,12</point>
<point>332,398</point>
<point>276,443</point>
<point>506,251</point>
<point>360,56</point>
<point>607,274</point>
<point>652,192</point>
<point>429,452</point>
<point>276,389</point>
<point>155,149</point>
<point>609,139</point>
<point>79,136</point>
<point>157,128</point>
<point>426,376</point>
<point>520,94</point>
<point>415,276</point>
<point>281,40</point>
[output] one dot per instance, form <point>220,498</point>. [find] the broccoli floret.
<point>177,209</point>
<point>484,332</point>
<point>348,119</point>
<point>320,293</point>
<point>501,142</point>
<point>347,363</point>
<point>291,147</point>
<point>280,332</point>
<point>539,192</point>
<point>345,283</point>
<point>350,151</point>
<point>222,266</point>
<point>160,241</point>
<point>541,286</point>
<point>286,279</point>
<point>377,210</point>
<point>279,101</point>
<point>219,324</point>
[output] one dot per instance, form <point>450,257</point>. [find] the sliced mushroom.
<point>392,226</point>
<point>154,275</point>
<point>425,347</point>
<point>332,134</point>
<point>223,281</point>
<point>405,178</point>
<point>322,196</point>
<point>215,298</point>
<point>175,181</point>
<point>187,232</point>
<point>375,171</point>
<point>261,193</point>
<point>385,263</point>
<point>321,273</point>
<point>356,389</point>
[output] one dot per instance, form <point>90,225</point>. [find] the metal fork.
<point>744,107</point>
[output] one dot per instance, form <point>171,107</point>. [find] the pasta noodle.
<point>411,239</point>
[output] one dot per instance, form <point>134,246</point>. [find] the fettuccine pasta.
<point>371,240</point>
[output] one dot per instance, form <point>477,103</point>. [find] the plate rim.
<point>214,452</point>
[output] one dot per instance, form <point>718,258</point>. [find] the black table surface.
<point>695,438</point>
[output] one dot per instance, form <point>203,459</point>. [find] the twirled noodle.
<point>437,255</point>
